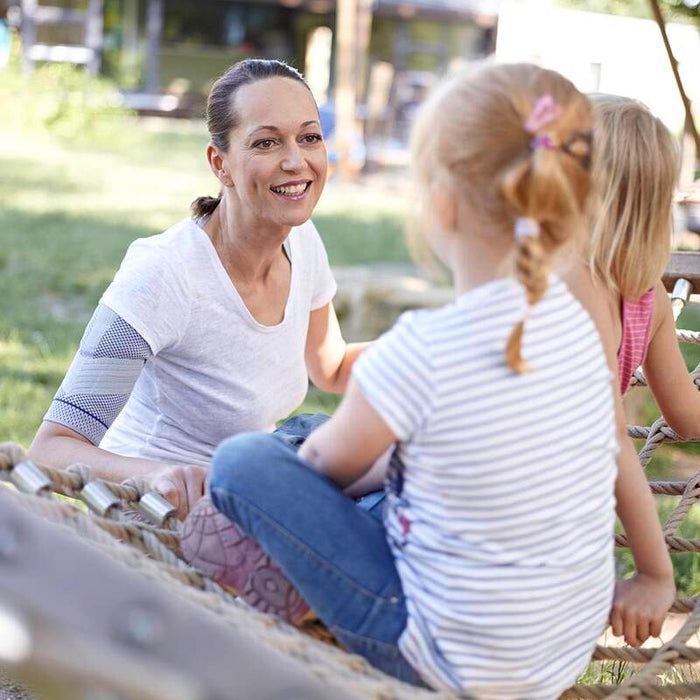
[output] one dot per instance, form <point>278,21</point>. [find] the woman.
<point>213,327</point>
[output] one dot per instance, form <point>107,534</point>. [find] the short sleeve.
<point>395,376</point>
<point>149,293</point>
<point>325,286</point>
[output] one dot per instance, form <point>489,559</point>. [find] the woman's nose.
<point>293,158</point>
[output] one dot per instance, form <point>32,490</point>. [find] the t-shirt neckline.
<point>230,288</point>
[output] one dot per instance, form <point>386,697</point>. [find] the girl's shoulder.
<point>658,298</point>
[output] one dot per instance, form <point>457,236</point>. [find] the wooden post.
<point>154,29</point>
<point>130,47</point>
<point>28,29</point>
<point>94,21</point>
<point>689,122</point>
<point>345,84</point>
<point>364,33</point>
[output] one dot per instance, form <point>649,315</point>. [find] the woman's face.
<point>277,159</point>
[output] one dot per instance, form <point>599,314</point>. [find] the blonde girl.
<point>492,572</point>
<point>635,168</point>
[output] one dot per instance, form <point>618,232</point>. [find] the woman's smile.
<point>293,191</point>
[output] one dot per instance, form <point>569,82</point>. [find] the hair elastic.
<point>543,141</point>
<point>546,110</point>
<point>525,227</point>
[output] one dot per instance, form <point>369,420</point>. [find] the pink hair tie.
<point>546,110</point>
<point>543,141</point>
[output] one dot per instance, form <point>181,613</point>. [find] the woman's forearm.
<point>62,450</point>
<point>637,511</point>
<point>339,382</point>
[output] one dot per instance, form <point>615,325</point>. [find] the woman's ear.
<point>444,204</point>
<point>218,165</point>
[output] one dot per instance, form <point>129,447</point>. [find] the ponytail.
<point>204,206</point>
<point>532,265</point>
<point>545,189</point>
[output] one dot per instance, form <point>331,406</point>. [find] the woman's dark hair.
<point>221,115</point>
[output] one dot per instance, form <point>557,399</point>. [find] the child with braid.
<point>492,572</point>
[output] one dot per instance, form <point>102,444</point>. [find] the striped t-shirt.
<point>501,515</point>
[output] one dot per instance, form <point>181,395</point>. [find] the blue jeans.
<point>334,552</point>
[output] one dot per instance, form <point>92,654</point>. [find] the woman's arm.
<point>640,603</point>
<point>95,389</point>
<point>329,358</point>
<point>666,373</point>
<point>57,446</point>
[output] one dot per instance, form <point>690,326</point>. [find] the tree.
<point>674,10</point>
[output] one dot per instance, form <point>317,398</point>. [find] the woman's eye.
<point>312,138</point>
<point>264,143</point>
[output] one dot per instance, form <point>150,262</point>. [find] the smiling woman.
<point>213,327</point>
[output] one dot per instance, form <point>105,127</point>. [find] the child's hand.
<point>639,607</point>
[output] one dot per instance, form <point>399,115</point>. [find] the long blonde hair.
<point>635,165</point>
<point>473,129</point>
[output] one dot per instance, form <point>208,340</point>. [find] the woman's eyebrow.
<point>274,128</point>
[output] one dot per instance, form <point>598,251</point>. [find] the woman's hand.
<point>640,606</point>
<point>181,486</point>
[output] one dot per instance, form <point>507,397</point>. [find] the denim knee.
<point>243,459</point>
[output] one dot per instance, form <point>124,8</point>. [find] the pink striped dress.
<point>636,323</point>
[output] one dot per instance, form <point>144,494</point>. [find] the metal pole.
<point>94,22</point>
<point>154,29</point>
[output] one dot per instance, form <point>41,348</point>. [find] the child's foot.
<point>217,546</point>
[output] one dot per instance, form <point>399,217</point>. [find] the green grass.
<point>68,211</point>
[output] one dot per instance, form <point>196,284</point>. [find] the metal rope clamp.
<point>680,296</point>
<point>28,478</point>
<point>682,289</point>
<point>156,508</point>
<point>99,497</point>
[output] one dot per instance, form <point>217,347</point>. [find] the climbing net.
<point>104,514</point>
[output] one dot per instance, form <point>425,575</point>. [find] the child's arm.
<point>345,447</point>
<point>640,603</point>
<point>666,373</point>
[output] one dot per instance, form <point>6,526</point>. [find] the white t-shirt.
<point>215,370</point>
<point>501,519</point>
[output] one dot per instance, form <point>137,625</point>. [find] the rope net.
<point>152,549</point>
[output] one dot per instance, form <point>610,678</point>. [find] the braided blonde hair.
<point>473,128</point>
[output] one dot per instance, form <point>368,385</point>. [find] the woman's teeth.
<point>291,190</point>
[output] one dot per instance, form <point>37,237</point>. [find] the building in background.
<point>164,54</point>
<point>604,53</point>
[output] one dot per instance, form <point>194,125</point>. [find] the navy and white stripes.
<point>502,520</point>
